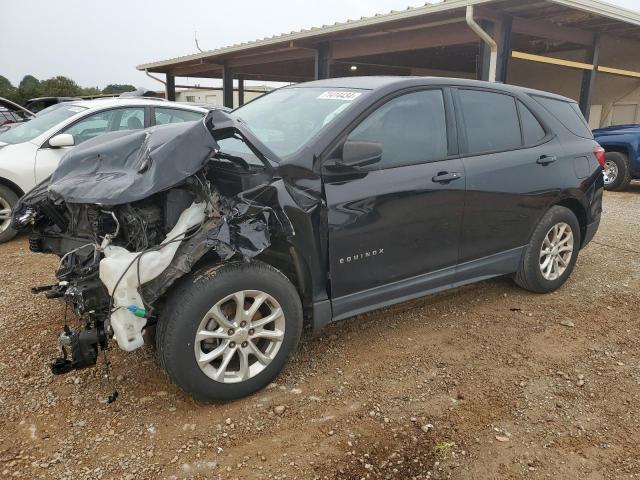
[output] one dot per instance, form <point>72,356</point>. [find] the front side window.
<point>491,121</point>
<point>412,129</point>
<point>107,121</point>
<point>287,119</point>
<point>174,115</point>
<point>29,130</point>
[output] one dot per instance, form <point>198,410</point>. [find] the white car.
<point>30,152</point>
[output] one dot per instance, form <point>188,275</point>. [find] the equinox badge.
<point>362,256</point>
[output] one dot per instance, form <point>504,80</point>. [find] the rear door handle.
<point>546,159</point>
<point>446,177</point>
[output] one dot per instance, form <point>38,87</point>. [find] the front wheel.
<point>227,332</point>
<point>552,252</point>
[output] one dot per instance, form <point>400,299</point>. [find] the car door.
<point>399,219</point>
<point>510,161</point>
<point>93,125</point>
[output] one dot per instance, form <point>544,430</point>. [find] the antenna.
<point>195,37</point>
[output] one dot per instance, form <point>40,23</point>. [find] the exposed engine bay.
<point>129,213</point>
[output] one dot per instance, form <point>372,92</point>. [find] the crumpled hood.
<point>124,167</point>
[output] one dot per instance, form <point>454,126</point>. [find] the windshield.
<point>40,124</point>
<point>288,118</point>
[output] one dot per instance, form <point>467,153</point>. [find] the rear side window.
<point>567,113</point>
<point>491,121</point>
<point>532,131</point>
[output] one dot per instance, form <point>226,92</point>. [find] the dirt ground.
<point>486,381</point>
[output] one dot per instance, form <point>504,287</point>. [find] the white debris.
<point>120,267</point>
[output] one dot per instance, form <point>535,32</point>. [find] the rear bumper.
<point>592,228</point>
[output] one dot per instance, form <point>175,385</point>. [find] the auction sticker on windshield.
<point>339,95</point>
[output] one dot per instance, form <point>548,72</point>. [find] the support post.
<point>589,77</point>
<point>484,56</point>
<point>170,88</point>
<point>227,86</point>
<point>504,48</point>
<point>240,91</point>
<point>323,65</point>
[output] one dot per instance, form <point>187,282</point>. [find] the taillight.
<point>599,153</point>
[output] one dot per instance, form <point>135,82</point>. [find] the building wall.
<point>616,99</point>
<point>214,97</point>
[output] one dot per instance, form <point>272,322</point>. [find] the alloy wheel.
<point>239,336</point>
<point>5,214</point>
<point>610,172</point>
<point>556,251</point>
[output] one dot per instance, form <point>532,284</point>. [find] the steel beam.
<point>504,48</point>
<point>589,77</point>
<point>170,87</point>
<point>240,90</point>
<point>227,86</point>
<point>323,61</point>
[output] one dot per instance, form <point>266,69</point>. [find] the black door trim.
<point>408,289</point>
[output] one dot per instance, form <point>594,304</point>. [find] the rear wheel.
<point>552,252</point>
<point>8,200</point>
<point>228,332</point>
<point>616,172</point>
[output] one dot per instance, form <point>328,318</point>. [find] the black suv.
<point>219,240</point>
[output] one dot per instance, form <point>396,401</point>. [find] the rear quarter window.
<point>567,113</point>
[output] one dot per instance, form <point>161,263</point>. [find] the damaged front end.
<point>129,213</point>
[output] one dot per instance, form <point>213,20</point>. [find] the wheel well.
<point>616,148</point>
<point>9,184</point>
<point>285,258</point>
<point>579,211</point>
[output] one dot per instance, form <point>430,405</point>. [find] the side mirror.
<point>62,140</point>
<point>360,154</point>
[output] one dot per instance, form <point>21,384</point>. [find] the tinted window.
<point>491,121</point>
<point>412,129</point>
<point>532,131</point>
<point>107,121</point>
<point>173,115</point>
<point>567,113</point>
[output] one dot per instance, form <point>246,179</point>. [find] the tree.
<point>7,90</point>
<point>116,88</point>
<point>60,87</point>
<point>29,88</point>
<point>91,92</point>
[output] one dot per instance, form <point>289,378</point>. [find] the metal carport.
<point>583,39</point>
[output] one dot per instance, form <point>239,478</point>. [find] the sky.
<point>98,46</point>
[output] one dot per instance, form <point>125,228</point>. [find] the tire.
<point>616,171</point>
<point>534,274</point>
<point>204,302</point>
<point>8,200</point>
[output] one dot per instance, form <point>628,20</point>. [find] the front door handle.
<point>446,177</point>
<point>546,159</point>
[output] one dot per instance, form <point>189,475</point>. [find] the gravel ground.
<point>486,381</point>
